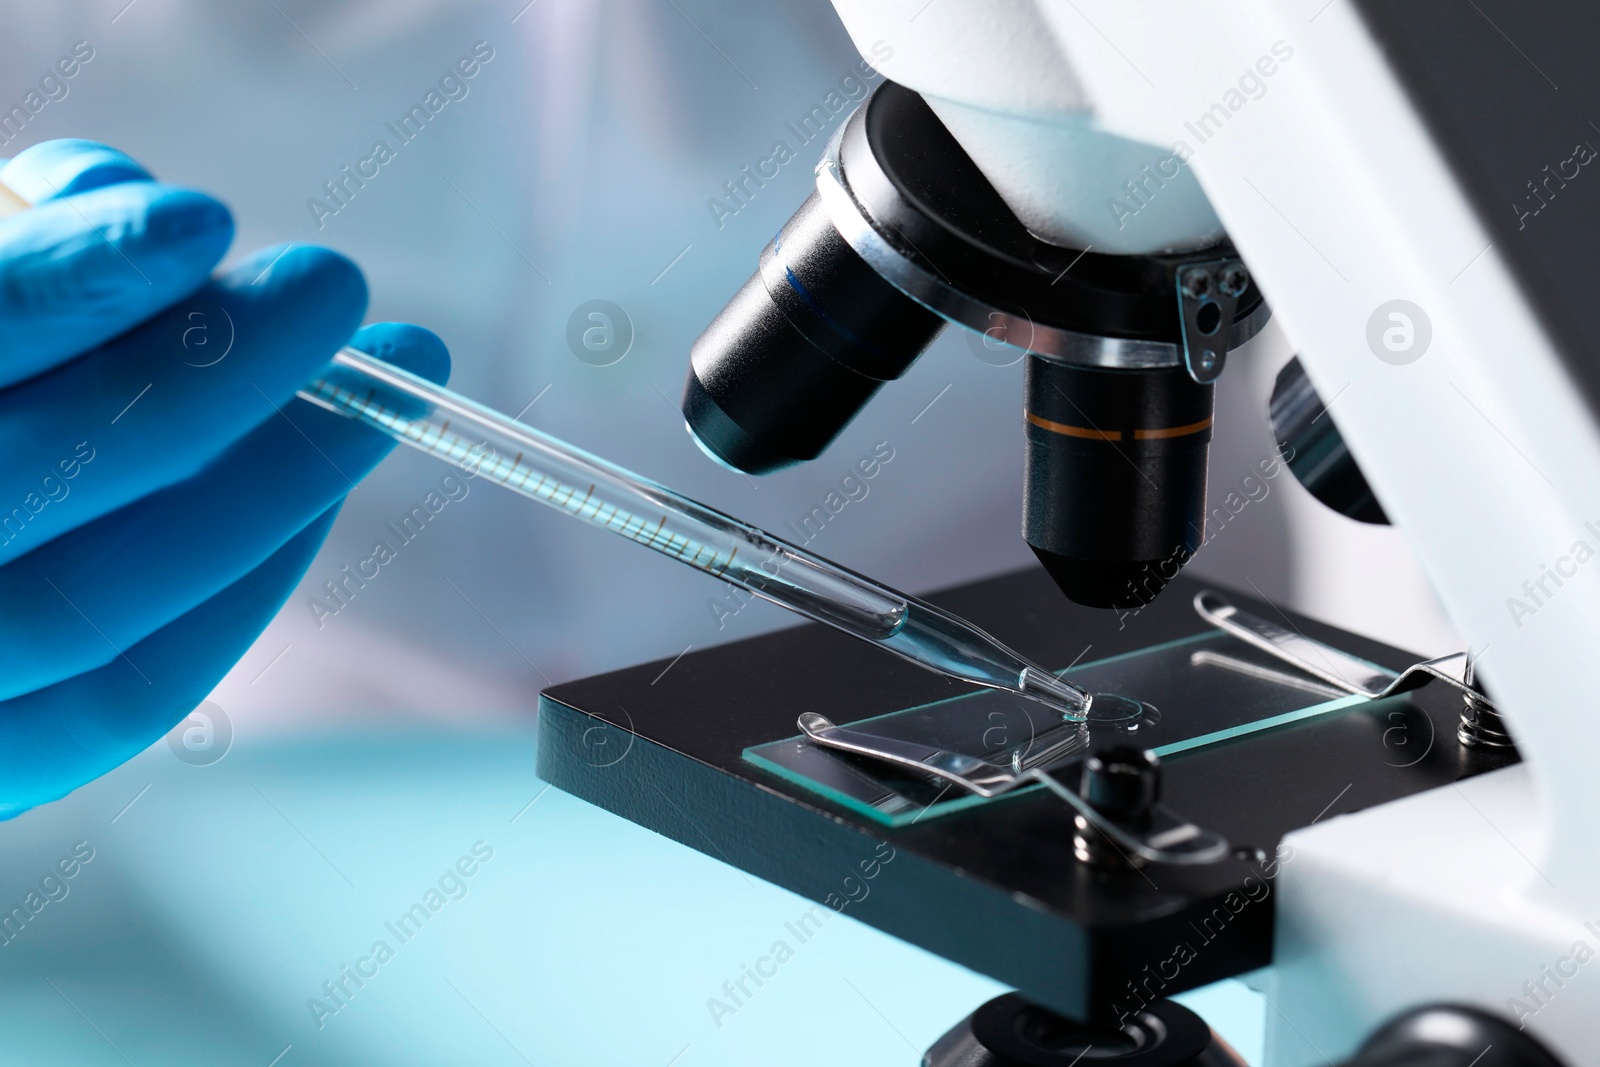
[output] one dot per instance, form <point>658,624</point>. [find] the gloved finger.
<point>63,168</point>
<point>75,273</point>
<point>54,740</point>
<point>143,413</point>
<point>66,607</point>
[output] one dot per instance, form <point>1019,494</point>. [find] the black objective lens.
<point>801,348</point>
<point>1312,446</point>
<point>1114,500</point>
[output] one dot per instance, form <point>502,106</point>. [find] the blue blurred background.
<point>372,749</point>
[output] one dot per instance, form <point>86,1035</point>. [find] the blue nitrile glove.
<point>161,490</point>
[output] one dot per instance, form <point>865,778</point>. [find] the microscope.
<point>1399,859</point>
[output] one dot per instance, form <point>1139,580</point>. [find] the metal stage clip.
<point>1338,669</point>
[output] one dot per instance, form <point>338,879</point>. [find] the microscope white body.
<point>1288,126</point>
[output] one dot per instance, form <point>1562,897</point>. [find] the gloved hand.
<point>161,490</point>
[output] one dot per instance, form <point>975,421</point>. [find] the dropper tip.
<point>1055,693</point>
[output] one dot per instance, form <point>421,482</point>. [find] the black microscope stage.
<point>996,887</point>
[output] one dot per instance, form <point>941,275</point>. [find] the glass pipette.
<point>487,444</point>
